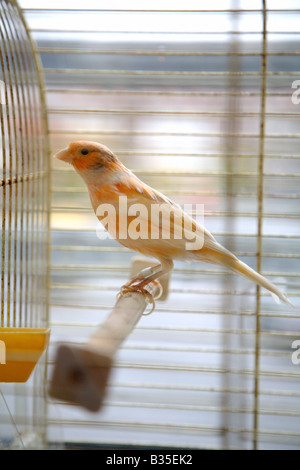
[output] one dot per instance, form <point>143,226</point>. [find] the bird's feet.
<point>134,286</point>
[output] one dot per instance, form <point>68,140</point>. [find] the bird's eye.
<point>84,151</point>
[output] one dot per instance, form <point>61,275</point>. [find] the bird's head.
<point>87,157</point>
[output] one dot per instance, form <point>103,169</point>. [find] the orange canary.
<point>108,180</point>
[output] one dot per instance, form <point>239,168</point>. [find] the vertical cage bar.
<point>30,171</point>
<point>3,213</point>
<point>14,100</point>
<point>230,128</point>
<point>25,180</point>
<point>18,151</point>
<point>260,191</point>
<point>20,177</point>
<point>5,131</point>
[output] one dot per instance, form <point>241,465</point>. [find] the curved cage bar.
<point>24,178</point>
<point>24,243</point>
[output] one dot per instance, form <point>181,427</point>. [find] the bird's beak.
<point>64,155</point>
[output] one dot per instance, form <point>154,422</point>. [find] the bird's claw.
<point>131,287</point>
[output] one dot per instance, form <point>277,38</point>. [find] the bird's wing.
<point>140,193</point>
<point>139,188</point>
<point>155,196</point>
<point>175,234</point>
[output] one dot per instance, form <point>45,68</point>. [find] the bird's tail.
<point>245,270</point>
<point>227,259</point>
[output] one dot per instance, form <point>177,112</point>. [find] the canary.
<point>109,181</point>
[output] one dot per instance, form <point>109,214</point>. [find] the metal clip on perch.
<point>81,374</point>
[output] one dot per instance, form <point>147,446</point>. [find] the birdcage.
<point>24,237</point>
<point>201,103</point>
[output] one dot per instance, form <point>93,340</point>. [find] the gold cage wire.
<point>198,103</point>
<point>24,227</point>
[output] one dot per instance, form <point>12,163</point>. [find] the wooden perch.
<point>81,374</point>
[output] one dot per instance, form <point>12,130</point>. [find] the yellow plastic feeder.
<point>20,350</point>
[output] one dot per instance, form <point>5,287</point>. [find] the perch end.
<point>80,377</point>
